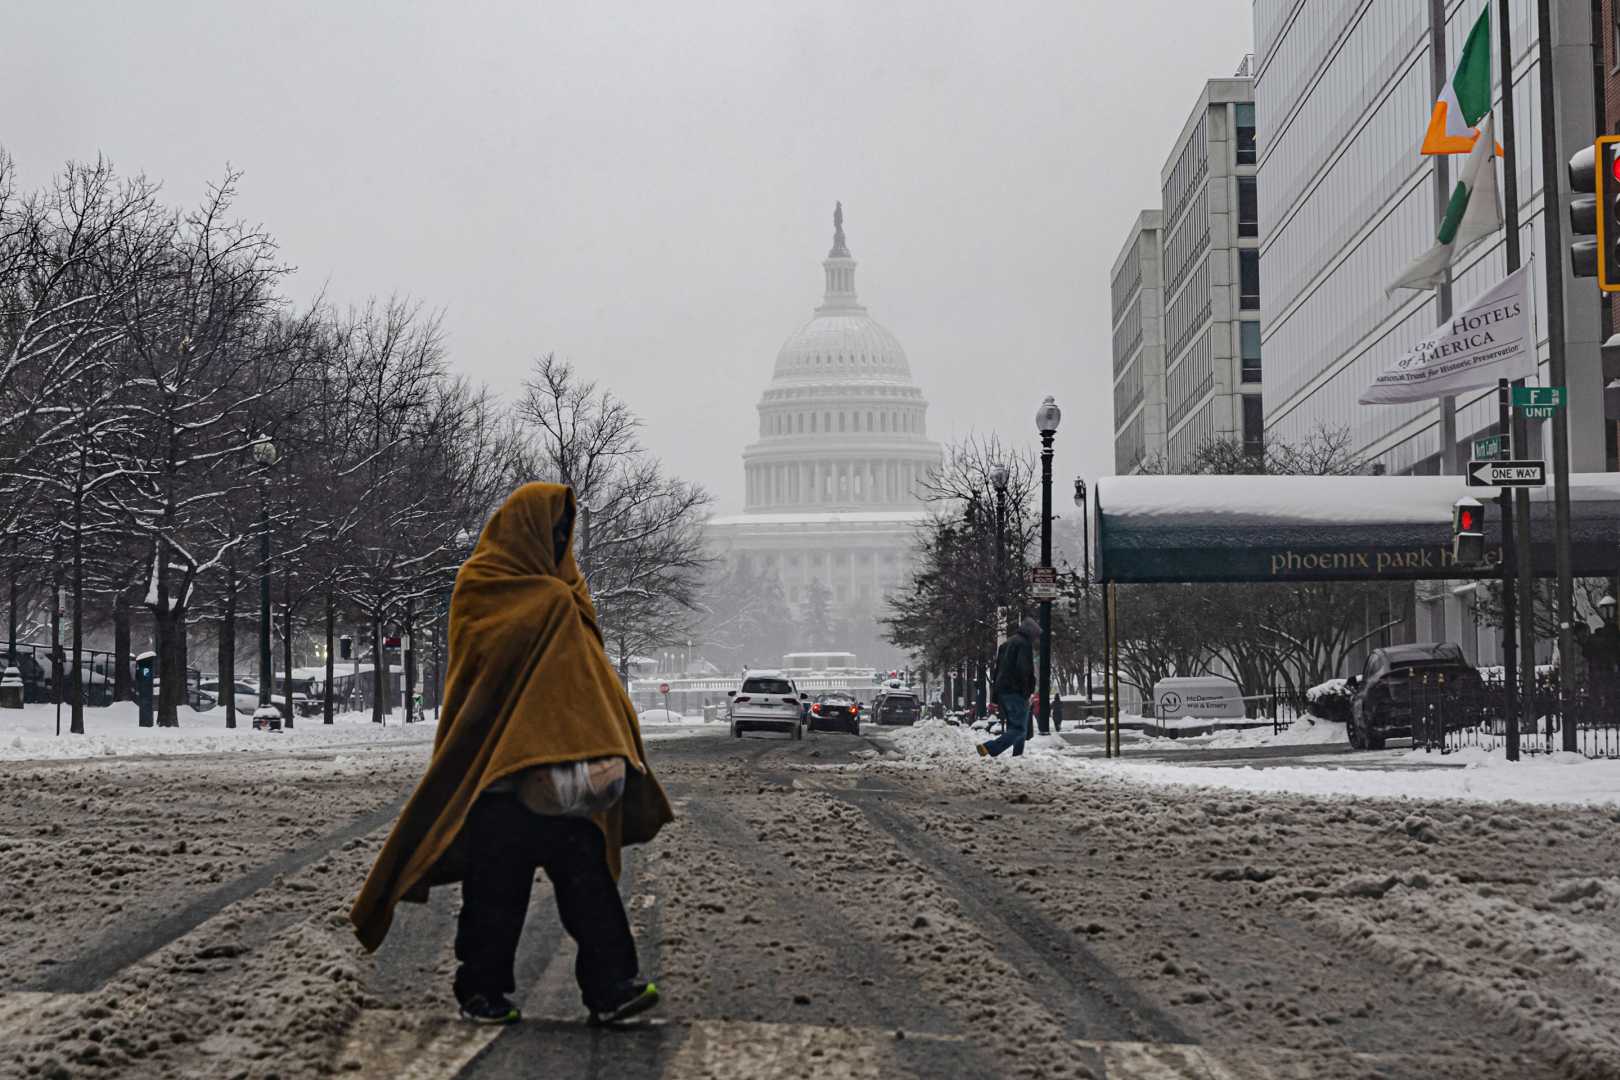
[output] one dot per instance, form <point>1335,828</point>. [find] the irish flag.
<point>1466,98</point>
<point>1473,213</point>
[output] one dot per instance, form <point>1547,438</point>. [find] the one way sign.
<point>1507,474</point>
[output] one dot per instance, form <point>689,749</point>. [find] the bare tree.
<point>639,539</point>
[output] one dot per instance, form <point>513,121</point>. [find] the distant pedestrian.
<point>1014,679</point>
<point>537,763</point>
<point>1057,713</point>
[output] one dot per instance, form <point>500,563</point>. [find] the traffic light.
<point>1468,531</point>
<point>346,647</point>
<point>1594,212</point>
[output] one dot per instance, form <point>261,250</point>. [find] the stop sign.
<point>663,688</point>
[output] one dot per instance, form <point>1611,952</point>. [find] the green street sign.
<point>1490,446</point>
<point>1538,402</point>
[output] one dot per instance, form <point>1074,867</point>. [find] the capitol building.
<point>836,474</point>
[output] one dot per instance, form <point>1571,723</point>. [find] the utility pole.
<point>1515,533</point>
<point>1553,252</point>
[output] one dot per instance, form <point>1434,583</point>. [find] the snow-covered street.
<point>890,905</point>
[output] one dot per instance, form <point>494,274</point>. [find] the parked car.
<point>245,694</point>
<point>1381,702</point>
<point>38,673</point>
<point>306,702</point>
<point>896,705</point>
<point>196,697</point>
<point>835,711</point>
<point>768,700</point>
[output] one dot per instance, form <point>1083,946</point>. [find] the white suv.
<point>766,699</point>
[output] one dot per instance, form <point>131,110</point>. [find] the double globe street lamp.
<point>1047,418</point>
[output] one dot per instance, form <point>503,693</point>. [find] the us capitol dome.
<point>836,471</point>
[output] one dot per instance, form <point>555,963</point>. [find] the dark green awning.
<point>1317,528</point>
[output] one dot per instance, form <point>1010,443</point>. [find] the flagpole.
<point>1515,508</point>
<point>1450,459</point>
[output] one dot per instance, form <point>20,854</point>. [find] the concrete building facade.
<point>1212,276</point>
<point>1137,288</point>
<point>1186,294</point>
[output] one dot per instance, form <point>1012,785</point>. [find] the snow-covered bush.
<point>1329,701</point>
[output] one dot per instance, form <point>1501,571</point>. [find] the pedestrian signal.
<point>1468,531</point>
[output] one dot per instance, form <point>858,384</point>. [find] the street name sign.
<point>1539,402</point>
<point>1507,474</point>
<point>1489,446</point>
<point>1043,582</point>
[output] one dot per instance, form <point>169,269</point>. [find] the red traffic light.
<point>1465,521</point>
<point>1614,168</point>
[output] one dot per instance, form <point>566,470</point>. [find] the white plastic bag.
<point>574,788</point>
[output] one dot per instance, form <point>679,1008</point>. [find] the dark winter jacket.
<point>1015,663</point>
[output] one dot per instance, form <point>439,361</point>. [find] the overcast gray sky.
<point>646,188</point>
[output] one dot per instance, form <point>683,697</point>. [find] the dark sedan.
<point>835,712</point>
<point>1382,696</point>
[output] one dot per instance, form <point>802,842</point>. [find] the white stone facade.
<point>835,474</point>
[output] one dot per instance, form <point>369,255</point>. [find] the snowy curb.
<point>1467,775</point>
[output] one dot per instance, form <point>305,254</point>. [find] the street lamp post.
<point>1085,580</point>
<point>264,452</point>
<point>1046,422</point>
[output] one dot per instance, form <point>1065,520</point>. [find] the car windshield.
<point>767,686</point>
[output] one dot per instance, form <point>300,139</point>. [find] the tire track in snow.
<point>117,950</point>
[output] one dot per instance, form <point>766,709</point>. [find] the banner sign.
<point>1486,341</point>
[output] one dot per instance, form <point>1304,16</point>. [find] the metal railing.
<point>1452,716</point>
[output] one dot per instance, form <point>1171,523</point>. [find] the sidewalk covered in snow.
<point>1319,528</point>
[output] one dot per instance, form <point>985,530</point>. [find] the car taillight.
<point>816,709</point>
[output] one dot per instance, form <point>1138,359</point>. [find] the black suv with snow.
<point>1382,696</point>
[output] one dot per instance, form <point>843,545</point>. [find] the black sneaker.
<point>639,997</point>
<point>490,1009</point>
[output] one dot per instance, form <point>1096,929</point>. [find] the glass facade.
<point>1343,94</point>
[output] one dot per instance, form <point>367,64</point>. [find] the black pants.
<point>508,843</point>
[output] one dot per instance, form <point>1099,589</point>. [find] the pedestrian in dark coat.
<point>1015,678</point>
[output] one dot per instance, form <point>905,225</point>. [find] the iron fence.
<point>1455,715</point>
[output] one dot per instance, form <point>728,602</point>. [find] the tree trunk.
<point>407,655</point>
<point>171,669</point>
<point>123,686</point>
<point>227,650</point>
<point>331,660</point>
<point>287,644</point>
<point>75,671</point>
<point>12,635</point>
<point>182,659</point>
<point>56,629</point>
<point>440,637</point>
<point>379,662</point>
